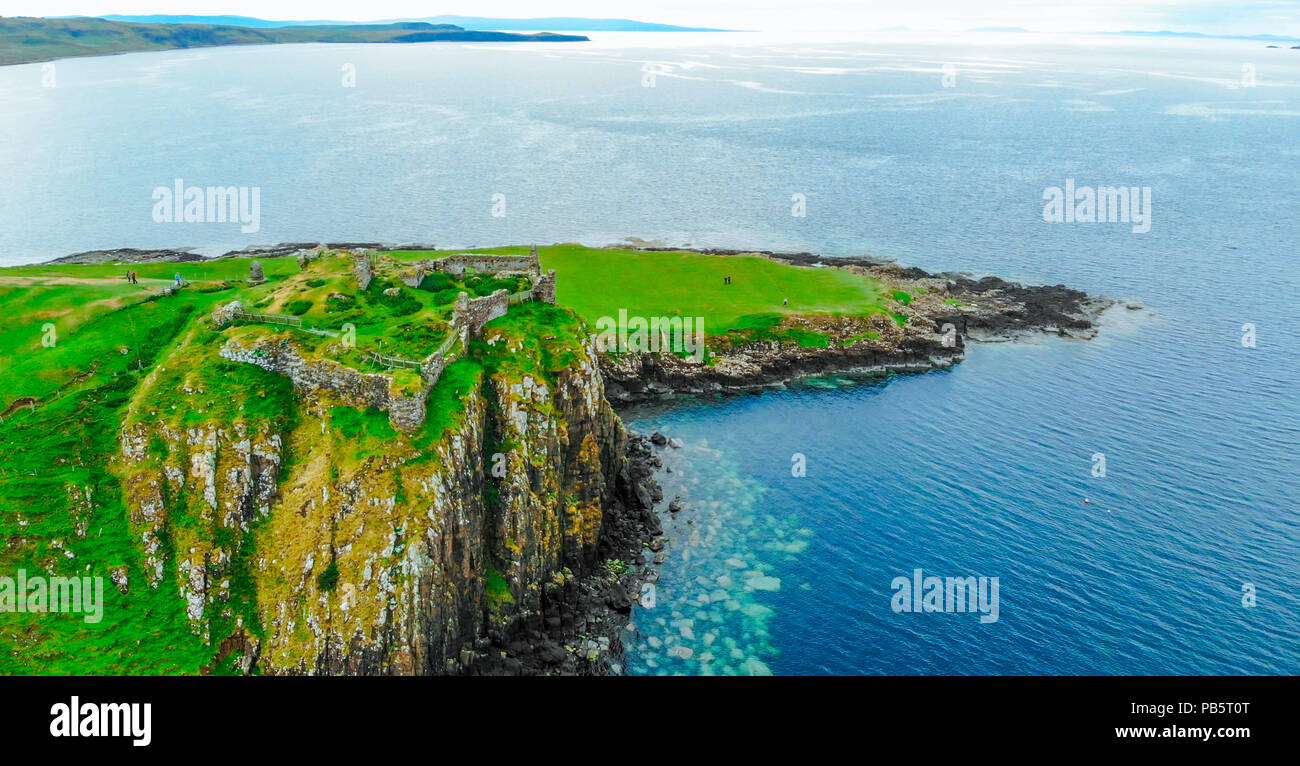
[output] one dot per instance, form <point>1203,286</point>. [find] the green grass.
<point>353,424</point>
<point>766,327</point>
<point>160,274</point>
<point>546,338</point>
<point>445,407</point>
<point>408,325</point>
<point>89,348</point>
<point>329,579</point>
<point>598,282</point>
<point>498,590</point>
<point>55,453</point>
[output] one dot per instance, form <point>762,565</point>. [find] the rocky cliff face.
<point>302,545</point>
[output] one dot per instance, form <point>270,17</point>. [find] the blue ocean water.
<point>981,470</point>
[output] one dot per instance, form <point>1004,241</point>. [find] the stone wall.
<point>361,390</point>
<point>488,264</point>
<point>362,269</point>
<point>406,413</point>
<point>544,288</point>
<point>415,276</point>
<point>471,314</point>
<point>432,367</point>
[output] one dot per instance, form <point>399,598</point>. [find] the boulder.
<point>616,598</point>
<point>224,314</point>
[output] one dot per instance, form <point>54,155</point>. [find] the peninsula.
<point>358,459</point>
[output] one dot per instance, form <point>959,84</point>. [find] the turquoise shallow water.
<point>979,470</point>
<point>984,470</point>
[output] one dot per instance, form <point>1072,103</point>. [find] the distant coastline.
<point>26,40</point>
<point>546,24</point>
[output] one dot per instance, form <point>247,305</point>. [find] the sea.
<point>1134,495</point>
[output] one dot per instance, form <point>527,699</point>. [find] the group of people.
<point>131,277</point>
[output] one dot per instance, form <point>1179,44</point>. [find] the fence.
<point>283,319</point>
<point>520,297</point>
<point>446,344</point>
<point>391,361</point>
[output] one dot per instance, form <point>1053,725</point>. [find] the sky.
<point>1280,17</point>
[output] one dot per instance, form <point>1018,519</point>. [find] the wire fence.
<point>283,319</point>
<point>391,361</point>
<point>445,345</point>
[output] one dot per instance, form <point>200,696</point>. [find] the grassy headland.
<point>598,282</point>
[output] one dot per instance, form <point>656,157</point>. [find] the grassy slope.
<point>86,306</point>
<point>57,458</point>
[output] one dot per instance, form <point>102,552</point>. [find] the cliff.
<point>308,536</point>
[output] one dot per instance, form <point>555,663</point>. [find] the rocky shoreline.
<point>944,312</point>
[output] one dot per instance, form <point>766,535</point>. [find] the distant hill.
<point>1167,33</point>
<point>24,40</point>
<point>549,24</point>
